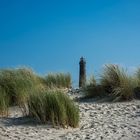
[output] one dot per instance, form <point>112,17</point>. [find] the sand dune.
<point>107,121</point>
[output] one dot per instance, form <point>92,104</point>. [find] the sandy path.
<point>117,121</point>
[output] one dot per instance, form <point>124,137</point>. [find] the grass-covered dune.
<point>54,106</point>
<point>41,97</point>
<point>114,83</point>
<point>17,84</point>
<point>37,96</point>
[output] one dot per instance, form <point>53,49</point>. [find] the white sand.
<point>116,121</point>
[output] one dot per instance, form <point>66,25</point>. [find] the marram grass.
<point>54,106</point>
<point>4,103</point>
<point>137,88</point>
<point>118,83</point>
<point>16,85</point>
<point>58,80</point>
<point>92,89</point>
<point>114,83</point>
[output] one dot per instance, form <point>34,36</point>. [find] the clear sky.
<point>52,35</point>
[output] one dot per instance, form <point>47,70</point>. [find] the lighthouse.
<point>82,72</point>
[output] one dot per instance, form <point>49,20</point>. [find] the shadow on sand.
<point>6,121</point>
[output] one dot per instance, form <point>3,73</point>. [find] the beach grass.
<point>58,80</point>
<point>4,103</point>
<point>92,89</point>
<point>17,84</point>
<point>53,106</point>
<point>114,83</point>
<point>118,83</point>
<point>137,88</point>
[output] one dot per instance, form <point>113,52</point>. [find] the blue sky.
<point>52,35</point>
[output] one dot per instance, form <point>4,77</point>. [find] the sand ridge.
<point>107,121</point>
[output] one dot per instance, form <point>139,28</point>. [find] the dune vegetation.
<point>42,97</point>
<point>58,80</point>
<point>15,86</point>
<point>54,106</point>
<point>114,83</point>
<point>38,96</point>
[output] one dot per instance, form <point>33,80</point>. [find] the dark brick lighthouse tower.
<point>82,72</point>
